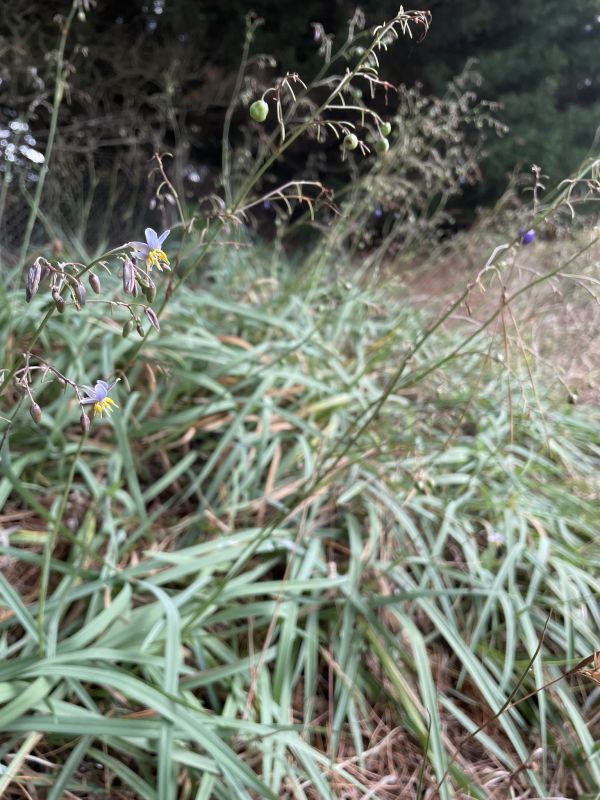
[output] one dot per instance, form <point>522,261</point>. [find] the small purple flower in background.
<point>266,205</point>
<point>495,537</point>
<point>98,397</point>
<point>151,250</point>
<point>378,212</point>
<point>527,237</point>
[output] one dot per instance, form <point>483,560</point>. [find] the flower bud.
<point>127,328</point>
<point>128,276</point>
<point>385,129</point>
<point>259,110</point>
<point>140,329</point>
<point>36,413</point>
<point>84,422</point>
<point>94,282</point>
<point>350,142</point>
<point>33,280</point>
<point>528,237</point>
<point>152,318</point>
<point>81,293</point>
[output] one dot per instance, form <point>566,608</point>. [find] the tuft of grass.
<point>255,595</point>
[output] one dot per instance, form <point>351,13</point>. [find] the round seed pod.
<point>36,413</point>
<point>385,129</point>
<point>94,283</point>
<point>382,145</point>
<point>259,110</point>
<point>350,142</point>
<point>127,328</point>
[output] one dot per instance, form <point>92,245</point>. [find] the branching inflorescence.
<point>64,282</point>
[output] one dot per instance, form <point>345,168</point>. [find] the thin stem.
<point>226,146</point>
<point>40,328</point>
<point>58,95</point>
<point>50,544</point>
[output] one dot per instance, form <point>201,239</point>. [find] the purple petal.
<point>528,237</point>
<point>163,236</point>
<point>88,401</point>
<point>101,389</point>
<point>152,239</point>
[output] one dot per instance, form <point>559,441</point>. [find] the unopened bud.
<point>94,282</point>
<point>128,276</point>
<point>45,265</point>
<point>33,280</point>
<point>139,329</point>
<point>81,293</point>
<point>84,422</point>
<point>127,328</point>
<point>36,413</point>
<point>152,318</point>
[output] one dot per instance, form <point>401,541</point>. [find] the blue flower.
<point>527,237</point>
<point>98,397</point>
<point>378,212</point>
<point>151,250</point>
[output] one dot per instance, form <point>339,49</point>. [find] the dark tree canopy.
<point>145,70</point>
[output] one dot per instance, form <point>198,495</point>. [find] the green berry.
<point>259,110</point>
<point>382,145</point>
<point>350,142</point>
<point>385,129</point>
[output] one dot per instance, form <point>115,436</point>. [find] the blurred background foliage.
<point>158,76</point>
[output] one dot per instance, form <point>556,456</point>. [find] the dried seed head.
<point>36,413</point>
<point>94,282</point>
<point>152,318</point>
<point>84,422</point>
<point>127,328</point>
<point>128,276</point>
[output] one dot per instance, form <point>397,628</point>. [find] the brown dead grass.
<point>555,327</point>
